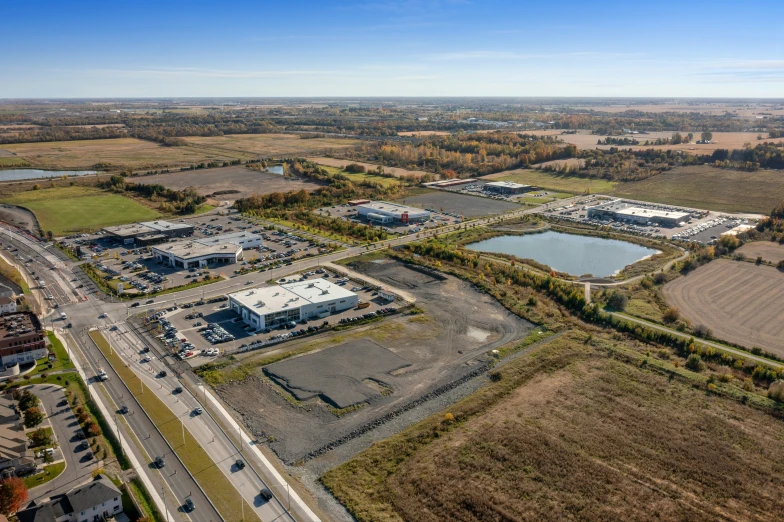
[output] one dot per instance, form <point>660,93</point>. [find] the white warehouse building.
<point>202,253</point>
<point>384,213</point>
<point>273,305</point>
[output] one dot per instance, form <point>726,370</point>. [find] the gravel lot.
<point>461,204</point>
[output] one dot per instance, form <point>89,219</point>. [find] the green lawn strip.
<point>142,496</point>
<point>50,472</point>
<point>215,485</point>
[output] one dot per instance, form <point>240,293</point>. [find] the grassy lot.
<point>709,188</point>
<point>12,162</point>
<point>216,486</point>
<point>48,431</point>
<point>50,472</point>
<point>243,146</point>
<point>556,182</point>
<point>113,153</point>
<point>584,428</point>
<point>143,498</point>
<point>10,272</point>
<point>64,210</point>
<point>358,177</point>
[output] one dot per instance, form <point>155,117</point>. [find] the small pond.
<point>275,169</point>
<point>20,174</point>
<point>570,253</point>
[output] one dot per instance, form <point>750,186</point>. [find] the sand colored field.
<point>340,163</point>
<point>268,144</point>
<point>120,152</point>
<point>721,140</point>
<point>739,301</point>
<point>768,251</point>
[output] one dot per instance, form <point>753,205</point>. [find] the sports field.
<point>114,153</point>
<point>710,188</point>
<point>66,210</point>
<point>556,182</point>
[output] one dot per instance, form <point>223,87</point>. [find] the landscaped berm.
<point>583,428</point>
<point>64,210</point>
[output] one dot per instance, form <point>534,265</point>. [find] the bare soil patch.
<point>739,301</point>
<point>19,217</point>
<point>438,345</point>
<point>237,178</point>
<point>768,251</point>
<point>460,204</point>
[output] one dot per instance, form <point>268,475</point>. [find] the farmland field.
<point>119,153</point>
<point>357,177</point>
<point>340,163</point>
<point>570,184</point>
<point>739,301</point>
<point>69,209</point>
<point>768,251</point>
<point>246,181</point>
<point>709,188</point>
<point>267,144</point>
<point>568,433</point>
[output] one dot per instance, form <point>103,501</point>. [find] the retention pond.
<point>570,253</point>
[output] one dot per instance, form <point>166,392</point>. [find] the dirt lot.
<point>568,433</point>
<point>446,343</point>
<point>340,163</point>
<point>244,180</point>
<point>120,152</point>
<point>737,300</point>
<point>771,252</point>
<point>709,188</point>
<point>19,217</point>
<point>721,140</point>
<point>268,144</point>
<point>460,204</point>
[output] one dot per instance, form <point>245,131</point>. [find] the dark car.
<point>159,462</point>
<point>80,435</point>
<point>135,304</point>
<point>240,464</point>
<point>150,301</point>
<point>163,373</point>
<point>178,389</point>
<point>189,506</point>
<point>123,409</point>
<point>265,494</point>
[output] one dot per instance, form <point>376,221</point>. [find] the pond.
<point>20,174</point>
<point>276,169</point>
<point>570,253</point>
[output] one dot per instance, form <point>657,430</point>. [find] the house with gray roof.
<point>94,502</point>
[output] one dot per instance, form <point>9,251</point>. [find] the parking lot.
<point>200,331</point>
<point>437,219</point>
<point>141,274</point>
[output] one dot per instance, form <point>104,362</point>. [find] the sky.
<point>235,48</point>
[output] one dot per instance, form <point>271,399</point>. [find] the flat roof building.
<point>274,305</point>
<point>383,212</point>
<point>21,338</point>
<point>246,240</point>
<point>620,211</point>
<point>507,187</point>
<point>193,254</point>
<point>149,231</point>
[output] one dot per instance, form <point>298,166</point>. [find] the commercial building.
<point>618,210</point>
<point>149,232</point>
<point>246,240</point>
<point>385,213</point>
<point>271,306</point>
<point>21,338</point>
<point>507,187</point>
<point>193,254</point>
<point>95,501</point>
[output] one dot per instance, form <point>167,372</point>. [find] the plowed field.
<point>738,301</point>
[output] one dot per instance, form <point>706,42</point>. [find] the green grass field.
<point>64,210</point>
<point>50,472</point>
<point>556,182</point>
<point>13,162</point>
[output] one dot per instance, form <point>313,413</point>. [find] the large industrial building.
<point>385,213</point>
<point>507,187</point>
<point>618,210</point>
<point>149,232</point>
<point>21,339</point>
<point>202,253</point>
<point>274,305</point>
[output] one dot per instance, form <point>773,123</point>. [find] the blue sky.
<point>392,48</point>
